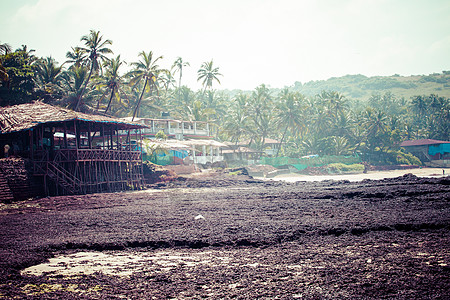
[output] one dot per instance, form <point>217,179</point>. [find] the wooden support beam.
<point>65,136</point>
<point>89,135</point>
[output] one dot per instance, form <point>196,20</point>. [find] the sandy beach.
<point>373,175</point>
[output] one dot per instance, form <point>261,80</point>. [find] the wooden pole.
<point>89,136</point>
<point>65,136</point>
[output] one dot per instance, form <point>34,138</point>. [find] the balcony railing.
<point>72,155</point>
<point>176,131</point>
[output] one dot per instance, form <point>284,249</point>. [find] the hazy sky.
<point>276,42</point>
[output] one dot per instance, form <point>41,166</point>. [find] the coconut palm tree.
<point>72,83</point>
<point>261,113</point>
<point>5,48</point>
<point>178,65</point>
<point>377,129</point>
<point>289,114</point>
<point>112,80</point>
<point>198,112</point>
<point>179,106</point>
<point>207,74</point>
<point>76,57</point>
<point>339,145</point>
<point>28,54</point>
<point>167,81</point>
<point>334,102</point>
<point>343,124</point>
<point>419,106</point>
<point>236,124</point>
<point>48,76</point>
<point>145,71</point>
<point>216,101</point>
<point>97,50</point>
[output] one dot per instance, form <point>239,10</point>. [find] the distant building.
<point>431,152</point>
<point>188,141</point>
<point>270,148</point>
<point>174,129</point>
<point>237,153</point>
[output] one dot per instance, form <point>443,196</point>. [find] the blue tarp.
<point>439,148</point>
<point>179,153</point>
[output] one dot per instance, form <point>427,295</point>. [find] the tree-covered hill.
<point>362,87</point>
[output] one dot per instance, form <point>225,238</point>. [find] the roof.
<point>167,144</point>
<point>423,142</point>
<point>267,141</point>
<point>241,150</point>
<point>188,144</point>
<point>163,120</point>
<point>204,143</point>
<point>26,116</point>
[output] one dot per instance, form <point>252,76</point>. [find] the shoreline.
<point>373,175</point>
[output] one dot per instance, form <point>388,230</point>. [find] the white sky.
<point>275,42</point>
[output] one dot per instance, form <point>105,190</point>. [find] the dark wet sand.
<point>306,240</point>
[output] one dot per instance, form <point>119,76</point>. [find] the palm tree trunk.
<point>281,142</point>
<point>110,100</point>
<point>179,87</point>
<point>84,88</point>
<point>139,101</point>
<point>101,98</point>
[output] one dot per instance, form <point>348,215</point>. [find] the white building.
<point>199,148</point>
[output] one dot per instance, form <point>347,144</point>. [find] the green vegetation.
<point>362,88</point>
<point>314,161</point>
<point>353,115</point>
<point>338,168</point>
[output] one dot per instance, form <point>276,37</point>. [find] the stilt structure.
<point>74,153</point>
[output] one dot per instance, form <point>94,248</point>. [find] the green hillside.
<point>362,87</point>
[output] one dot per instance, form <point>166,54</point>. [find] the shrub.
<point>339,168</point>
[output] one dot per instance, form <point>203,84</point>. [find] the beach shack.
<point>73,152</point>
<point>433,153</point>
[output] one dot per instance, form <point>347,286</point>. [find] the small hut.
<point>73,152</point>
<point>433,153</point>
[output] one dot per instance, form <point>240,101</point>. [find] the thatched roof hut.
<point>26,116</point>
<point>73,152</point>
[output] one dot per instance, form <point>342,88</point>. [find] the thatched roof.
<point>26,116</point>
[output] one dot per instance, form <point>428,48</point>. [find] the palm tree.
<point>261,113</point>
<point>339,145</point>
<point>198,112</point>
<point>376,125</point>
<point>145,70</point>
<point>72,82</point>
<point>237,122</point>
<point>5,48</point>
<point>375,121</point>
<point>76,57</point>
<point>96,49</point>
<point>27,53</point>
<point>335,102</point>
<point>343,124</point>
<point>167,81</point>
<point>320,121</point>
<point>207,73</point>
<point>113,81</point>
<point>179,106</point>
<point>216,101</point>
<point>289,114</point>
<point>179,64</point>
<point>419,106</point>
<point>48,75</point>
